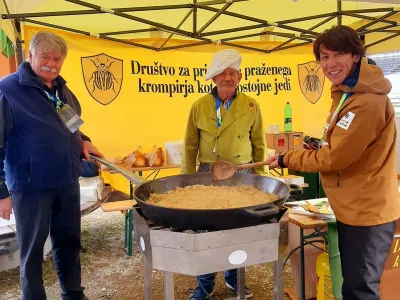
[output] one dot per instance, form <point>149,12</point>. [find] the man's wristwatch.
<point>280,160</point>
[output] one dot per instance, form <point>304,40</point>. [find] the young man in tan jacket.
<point>357,160</point>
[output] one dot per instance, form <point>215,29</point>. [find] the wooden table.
<point>306,222</point>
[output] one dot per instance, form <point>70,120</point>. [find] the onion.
<point>155,158</point>
<point>135,159</point>
<point>140,160</point>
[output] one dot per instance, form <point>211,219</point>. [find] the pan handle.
<point>295,189</point>
<point>263,211</point>
<point>137,180</point>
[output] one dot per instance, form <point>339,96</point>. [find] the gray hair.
<point>48,41</point>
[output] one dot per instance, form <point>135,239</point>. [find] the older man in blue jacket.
<point>40,152</point>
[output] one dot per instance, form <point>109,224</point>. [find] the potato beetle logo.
<point>102,75</point>
<point>102,78</point>
<point>311,80</point>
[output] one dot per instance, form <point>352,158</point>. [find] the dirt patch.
<point>108,273</point>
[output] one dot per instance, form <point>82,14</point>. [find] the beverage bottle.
<point>288,118</point>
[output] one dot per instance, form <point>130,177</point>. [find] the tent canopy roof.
<point>289,22</point>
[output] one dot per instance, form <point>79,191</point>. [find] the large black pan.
<point>201,219</point>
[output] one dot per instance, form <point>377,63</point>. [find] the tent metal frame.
<point>201,36</point>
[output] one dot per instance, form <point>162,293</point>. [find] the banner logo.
<point>103,76</point>
<point>311,80</point>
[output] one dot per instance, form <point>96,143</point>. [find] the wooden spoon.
<point>223,170</point>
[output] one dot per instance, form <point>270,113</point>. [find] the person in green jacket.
<point>223,125</point>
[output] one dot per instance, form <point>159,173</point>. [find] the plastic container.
<point>324,281</point>
<point>288,118</point>
<point>274,129</point>
<point>173,151</point>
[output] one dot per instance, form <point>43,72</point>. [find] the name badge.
<point>70,118</point>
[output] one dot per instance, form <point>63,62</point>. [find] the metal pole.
<point>128,31</point>
<point>232,14</point>
<point>88,34</point>
<point>368,18</point>
<point>224,8</point>
<point>311,28</point>
<point>235,29</point>
<point>244,17</point>
<point>241,274</point>
<point>245,47</point>
<point>19,52</point>
<point>379,29</point>
<point>168,285</point>
<point>339,11</point>
<point>215,2</point>
<point>302,272</point>
<point>130,17</point>
<point>186,46</point>
<point>383,40</point>
<point>288,35</point>
<point>363,11</point>
<point>194,16</point>
<point>147,271</point>
<point>91,11</point>
<point>297,29</point>
<point>179,25</point>
<point>291,46</point>
<point>305,18</point>
<point>278,279</point>
<point>377,20</point>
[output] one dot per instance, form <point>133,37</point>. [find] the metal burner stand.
<point>202,253</point>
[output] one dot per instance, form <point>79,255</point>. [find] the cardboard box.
<point>295,140</point>
<point>278,142</point>
<point>91,188</point>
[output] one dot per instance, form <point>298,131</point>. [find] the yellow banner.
<point>132,96</point>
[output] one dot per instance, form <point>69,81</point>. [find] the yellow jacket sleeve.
<point>190,143</point>
<point>257,137</point>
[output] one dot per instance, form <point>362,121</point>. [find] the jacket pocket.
<point>49,168</point>
<point>243,140</point>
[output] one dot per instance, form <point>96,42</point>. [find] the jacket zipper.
<point>338,178</point>
<point>29,168</point>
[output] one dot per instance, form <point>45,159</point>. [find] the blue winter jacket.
<point>37,151</point>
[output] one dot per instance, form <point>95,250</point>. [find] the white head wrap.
<point>222,60</point>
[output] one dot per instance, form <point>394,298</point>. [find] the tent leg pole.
<point>19,53</point>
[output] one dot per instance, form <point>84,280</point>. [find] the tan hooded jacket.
<point>358,165</point>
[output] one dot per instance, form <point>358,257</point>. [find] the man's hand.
<point>273,162</point>
<point>89,148</point>
<point>5,208</point>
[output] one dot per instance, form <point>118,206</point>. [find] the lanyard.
<point>218,106</point>
<point>342,100</point>
<point>55,99</point>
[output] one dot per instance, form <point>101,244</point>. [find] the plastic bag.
<point>155,158</point>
